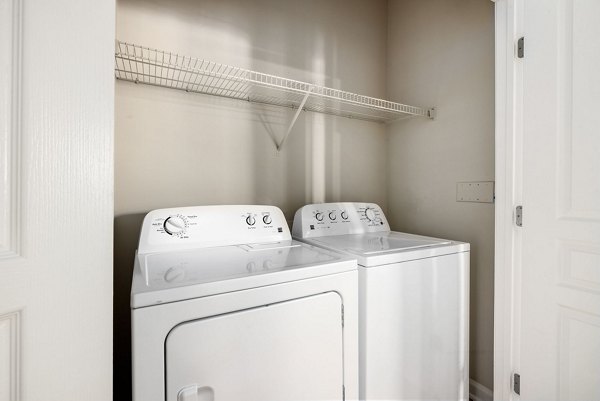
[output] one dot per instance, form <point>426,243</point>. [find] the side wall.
<point>177,149</point>
<point>441,53</point>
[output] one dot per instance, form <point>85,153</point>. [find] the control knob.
<point>250,220</point>
<point>251,266</point>
<point>332,215</point>
<point>344,215</point>
<point>174,225</point>
<point>319,216</point>
<point>174,274</point>
<point>267,219</point>
<point>370,214</point>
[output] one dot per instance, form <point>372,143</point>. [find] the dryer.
<point>413,302</point>
<point>226,306</point>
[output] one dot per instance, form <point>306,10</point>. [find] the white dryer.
<point>413,302</point>
<point>226,306</point>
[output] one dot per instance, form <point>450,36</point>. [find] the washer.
<point>226,306</point>
<point>413,302</point>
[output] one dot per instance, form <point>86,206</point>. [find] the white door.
<point>56,135</point>
<point>560,340</point>
<point>289,351</point>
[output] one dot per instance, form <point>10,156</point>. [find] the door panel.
<point>56,133</point>
<point>560,349</point>
<point>290,351</point>
<point>578,90</point>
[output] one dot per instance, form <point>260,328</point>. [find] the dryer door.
<point>289,351</point>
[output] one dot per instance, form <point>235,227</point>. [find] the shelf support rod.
<point>306,95</point>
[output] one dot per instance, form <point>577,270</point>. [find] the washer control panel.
<point>204,226</point>
<point>341,218</point>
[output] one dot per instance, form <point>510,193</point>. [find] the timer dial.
<point>174,274</point>
<point>370,214</point>
<point>175,225</point>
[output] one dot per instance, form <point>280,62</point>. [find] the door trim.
<point>10,130</point>
<point>508,170</point>
<point>10,332</point>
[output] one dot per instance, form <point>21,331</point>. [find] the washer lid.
<point>379,248</point>
<point>178,275</point>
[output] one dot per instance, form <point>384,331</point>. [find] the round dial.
<point>250,220</point>
<point>251,266</point>
<point>319,216</point>
<point>174,274</point>
<point>332,215</point>
<point>344,215</point>
<point>370,214</point>
<point>175,225</point>
<point>267,219</point>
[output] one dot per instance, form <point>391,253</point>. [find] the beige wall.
<point>176,149</point>
<point>441,52</point>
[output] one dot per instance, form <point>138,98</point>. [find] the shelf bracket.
<point>431,113</point>
<point>300,107</point>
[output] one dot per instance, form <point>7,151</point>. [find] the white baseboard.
<point>478,392</point>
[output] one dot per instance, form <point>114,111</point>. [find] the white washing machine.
<point>226,306</point>
<point>413,302</point>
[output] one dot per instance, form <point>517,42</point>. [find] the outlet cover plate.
<point>476,191</point>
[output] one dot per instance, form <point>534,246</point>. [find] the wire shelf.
<point>161,68</point>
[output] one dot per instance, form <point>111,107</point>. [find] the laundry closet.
<point>177,148</point>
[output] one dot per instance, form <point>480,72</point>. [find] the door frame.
<point>509,178</point>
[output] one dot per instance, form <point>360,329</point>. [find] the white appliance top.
<point>191,252</point>
<point>361,230</point>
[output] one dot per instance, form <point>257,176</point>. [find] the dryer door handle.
<point>196,393</point>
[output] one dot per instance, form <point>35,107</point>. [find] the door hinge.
<point>521,47</point>
<point>343,393</point>
<point>342,315</point>
<point>517,383</point>
<point>519,216</point>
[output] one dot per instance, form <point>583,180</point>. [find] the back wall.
<point>180,149</point>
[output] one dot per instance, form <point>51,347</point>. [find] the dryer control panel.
<point>340,218</point>
<point>209,226</point>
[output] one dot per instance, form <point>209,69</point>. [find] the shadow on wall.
<point>126,236</point>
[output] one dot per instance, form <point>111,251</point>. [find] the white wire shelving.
<point>141,64</point>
